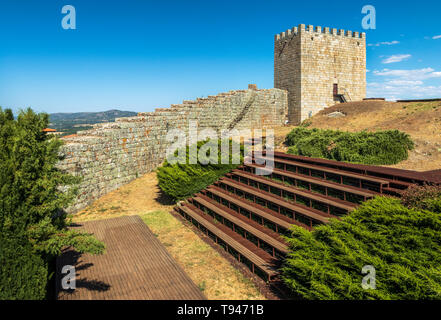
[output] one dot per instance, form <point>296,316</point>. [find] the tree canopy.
<point>33,194</point>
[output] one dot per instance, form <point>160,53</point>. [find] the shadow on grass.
<point>164,199</point>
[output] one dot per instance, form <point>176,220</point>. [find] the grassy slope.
<point>421,120</point>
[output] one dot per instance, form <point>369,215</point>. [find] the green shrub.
<point>426,197</point>
<point>23,273</point>
<point>182,180</point>
<point>381,147</point>
<point>403,245</point>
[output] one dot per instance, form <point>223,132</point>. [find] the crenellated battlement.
<point>319,66</point>
<point>301,28</point>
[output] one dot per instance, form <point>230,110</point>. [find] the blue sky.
<point>139,54</point>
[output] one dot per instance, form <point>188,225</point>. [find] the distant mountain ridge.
<point>70,123</point>
<point>109,115</point>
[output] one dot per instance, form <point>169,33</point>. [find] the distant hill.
<point>70,123</point>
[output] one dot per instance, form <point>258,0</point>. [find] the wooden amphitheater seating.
<point>248,211</point>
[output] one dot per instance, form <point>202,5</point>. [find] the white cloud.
<point>389,43</point>
<point>396,58</point>
<point>416,74</point>
<point>404,84</point>
<point>384,43</point>
<point>436,37</point>
<point>401,90</point>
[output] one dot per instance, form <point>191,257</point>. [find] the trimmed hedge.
<point>376,148</point>
<point>403,245</point>
<point>180,181</point>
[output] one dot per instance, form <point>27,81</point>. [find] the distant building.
<point>52,131</point>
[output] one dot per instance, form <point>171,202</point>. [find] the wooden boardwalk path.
<point>135,266</point>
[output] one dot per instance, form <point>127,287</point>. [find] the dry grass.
<point>214,275</point>
<point>140,195</point>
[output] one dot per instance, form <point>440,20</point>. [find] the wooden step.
<point>393,191</point>
<point>364,176</point>
<point>348,206</point>
<point>258,261</point>
<point>308,212</point>
<point>401,184</point>
<point>398,176</point>
<point>214,206</point>
<point>325,183</point>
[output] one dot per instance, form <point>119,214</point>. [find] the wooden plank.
<point>321,182</point>
<point>258,261</point>
<point>250,208</point>
<point>259,234</point>
<point>276,200</point>
<point>367,170</point>
<point>329,170</point>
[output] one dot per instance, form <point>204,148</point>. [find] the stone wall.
<point>112,154</point>
<point>309,61</point>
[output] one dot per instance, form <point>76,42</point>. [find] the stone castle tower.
<point>319,68</point>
